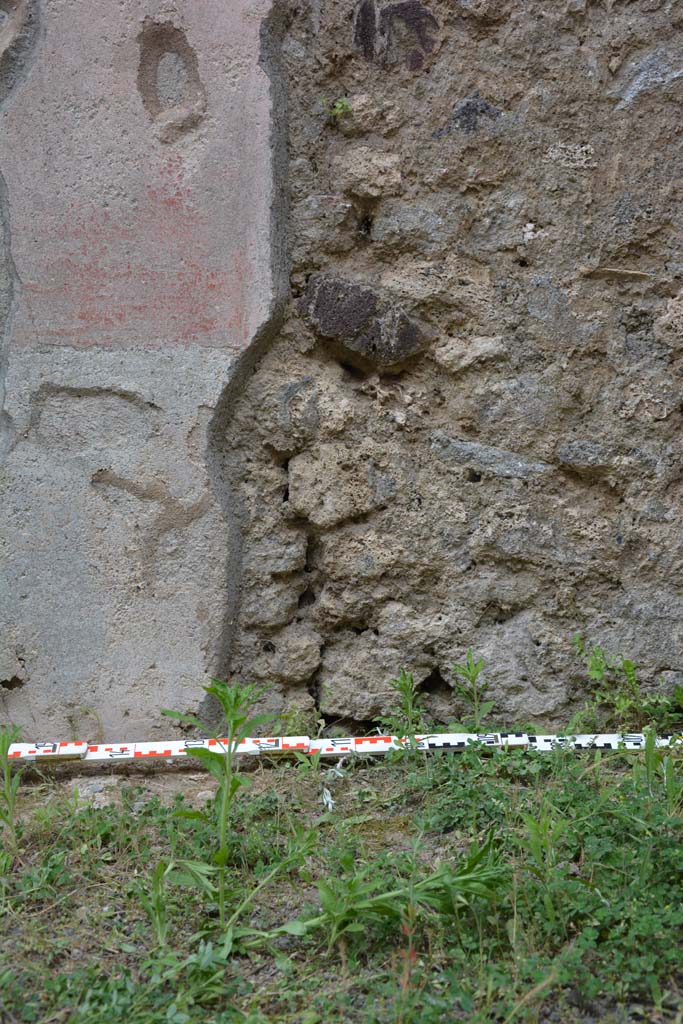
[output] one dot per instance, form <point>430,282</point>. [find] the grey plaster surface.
<point>136,271</point>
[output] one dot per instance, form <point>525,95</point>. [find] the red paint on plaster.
<point>148,275</point>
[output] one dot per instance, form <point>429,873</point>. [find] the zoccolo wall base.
<point>330,746</point>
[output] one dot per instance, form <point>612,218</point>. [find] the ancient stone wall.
<point>461,429</point>
<point>468,431</point>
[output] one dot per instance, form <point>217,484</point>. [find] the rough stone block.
<point>366,173</point>
<point>294,658</point>
<point>458,354</point>
<point>360,325</point>
<point>586,457</point>
<point>426,227</point>
<point>484,458</point>
<point>330,485</point>
<point>669,327</point>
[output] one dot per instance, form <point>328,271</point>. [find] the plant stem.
<point>249,899</point>
<point>226,801</point>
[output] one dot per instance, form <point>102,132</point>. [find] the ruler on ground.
<point>169,750</point>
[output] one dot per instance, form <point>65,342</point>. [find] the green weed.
<point>11,778</point>
<point>471,688</point>
<point>210,875</point>
<point>153,898</point>
<point>397,907</point>
<point>236,703</point>
<point>408,719</point>
<point>357,897</point>
<point>337,109</point>
<point>373,915</point>
<point>618,701</point>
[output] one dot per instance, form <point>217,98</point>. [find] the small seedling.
<point>407,721</point>
<point>618,701</point>
<point>352,900</point>
<point>310,766</point>
<point>153,900</point>
<point>337,109</point>
<point>541,840</point>
<point>236,703</point>
<point>11,778</point>
<point>471,688</point>
<point>411,707</point>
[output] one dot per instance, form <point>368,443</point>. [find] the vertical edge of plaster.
<point>7,306</point>
<point>220,458</point>
<point>15,66</point>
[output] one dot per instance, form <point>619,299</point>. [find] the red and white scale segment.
<point>328,746</point>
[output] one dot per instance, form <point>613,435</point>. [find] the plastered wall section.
<point>136,207</point>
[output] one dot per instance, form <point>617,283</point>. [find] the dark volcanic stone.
<point>586,457</point>
<point>365,29</point>
<point>338,308</point>
<point>359,325</point>
<point>467,115</point>
<point>414,16</point>
<point>377,38</point>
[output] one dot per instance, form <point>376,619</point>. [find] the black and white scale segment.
<point>81,750</point>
